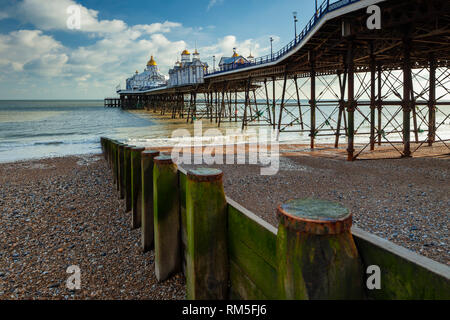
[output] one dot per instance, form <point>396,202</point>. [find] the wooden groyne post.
<point>147,219</point>
<point>316,254</point>
<point>121,169</point>
<point>206,224</point>
<point>166,217</point>
<point>136,187</point>
<point>127,177</point>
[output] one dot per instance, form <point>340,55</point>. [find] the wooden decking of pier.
<point>338,79</point>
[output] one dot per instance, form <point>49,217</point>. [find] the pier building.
<point>188,71</point>
<point>233,62</point>
<point>149,78</point>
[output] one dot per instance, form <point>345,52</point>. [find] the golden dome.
<point>185,52</point>
<point>137,72</point>
<point>235,55</point>
<point>151,62</point>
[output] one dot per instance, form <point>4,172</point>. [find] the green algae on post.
<point>136,187</point>
<point>166,217</point>
<point>147,223</point>
<point>316,254</point>
<point>206,219</point>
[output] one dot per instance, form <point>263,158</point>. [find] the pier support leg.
<point>379,104</point>
<point>280,117</point>
<point>312,101</point>
<point>206,219</point>
<point>246,103</point>
<point>372,98</point>
<point>274,102</point>
<point>342,82</point>
<point>406,97</point>
<point>235,106</point>
<point>351,103</point>
<point>166,217</point>
<point>147,219</point>
<point>432,102</point>
<point>299,103</point>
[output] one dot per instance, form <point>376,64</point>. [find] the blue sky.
<point>42,59</point>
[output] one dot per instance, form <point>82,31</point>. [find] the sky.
<point>42,58</point>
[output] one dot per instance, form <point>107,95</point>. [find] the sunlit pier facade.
<point>360,87</point>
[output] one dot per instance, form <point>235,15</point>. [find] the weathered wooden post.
<point>107,150</point>
<point>110,153</point>
<point>206,220</point>
<point>114,144</point>
<point>166,217</point>
<point>147,218</point>
<point>317,257</point>
<point>102,144</point>
<point>127,176</point>
<point>117,170</point>
<point>121,171</point>
<point>136,187</point>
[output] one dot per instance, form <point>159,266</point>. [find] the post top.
<point>315,216</point>
<point>150,153</point>
<point>205,174</point>
<point>129,146</point>
<point>138,148</point>
<point>163,159</point>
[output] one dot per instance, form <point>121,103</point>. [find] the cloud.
<point>224,47</point>
<point>28,47</point>
<point>33,58</point>
<point>212,3</point>
<point>48,65</point>
<point>164,27</point>
<point>53,15</point>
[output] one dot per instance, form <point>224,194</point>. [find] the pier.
<point>338,78</point>
<point>113,103</point>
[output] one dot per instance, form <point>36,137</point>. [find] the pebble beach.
<point>59,212</point>
<point>406,201</point>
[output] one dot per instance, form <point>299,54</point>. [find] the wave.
<point>14,144</point>
<point>49,143</point>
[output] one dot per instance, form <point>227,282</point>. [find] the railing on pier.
<point>322,10</point>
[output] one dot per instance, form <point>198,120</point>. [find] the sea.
<point>42,129</point>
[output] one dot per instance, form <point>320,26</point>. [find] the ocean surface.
<point>41,129</point>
